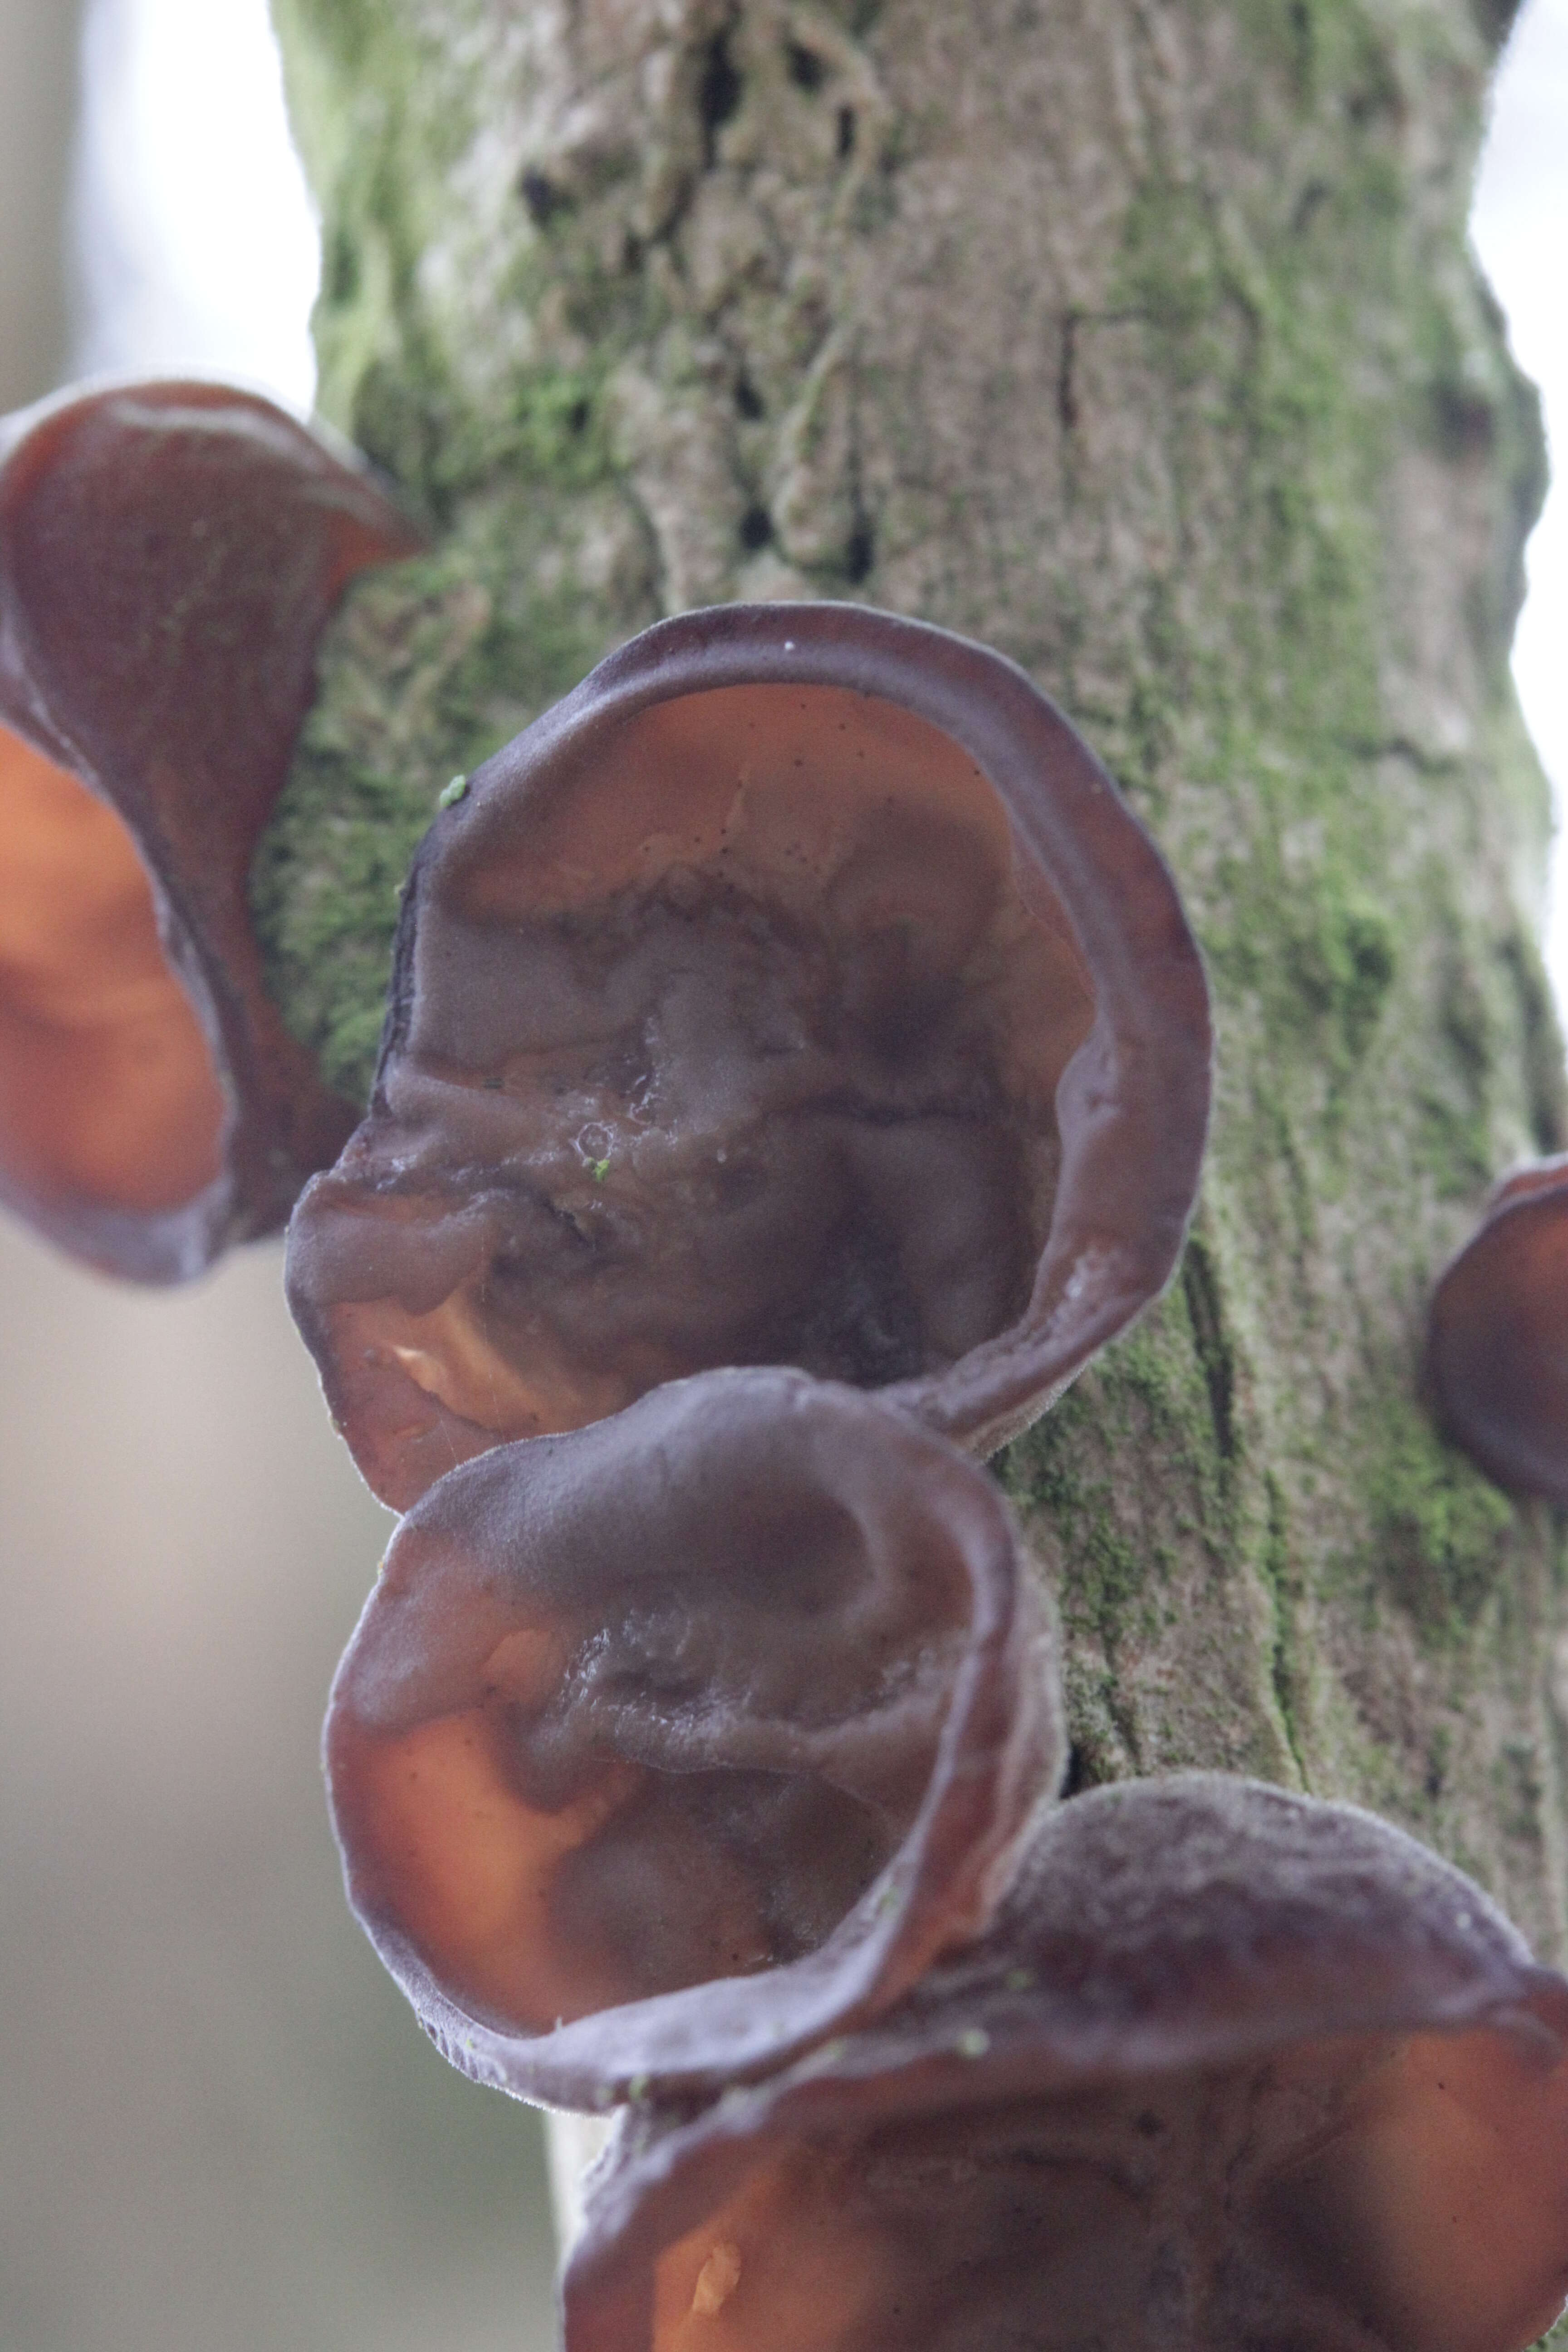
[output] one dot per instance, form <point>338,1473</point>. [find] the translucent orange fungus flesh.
<point>1443,2201</point>
<point>745,2281</point>
<point>107,1093</point>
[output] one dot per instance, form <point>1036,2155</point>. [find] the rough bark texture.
<point>1138,338</point>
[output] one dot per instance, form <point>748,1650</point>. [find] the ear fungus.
<point>169,554</point>
<point>1231,2069</point>
<point>667,1747</point>
<point>1497,1345</point>
<point>799,989</point>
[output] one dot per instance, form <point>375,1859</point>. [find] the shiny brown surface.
<point>666,1745</point>
<point>788,2261</point>
<point>1442,2197</point>
<point>169,554</point>
<point>1362,2195</point>
<point>734,1025</point>
<point>1497,1347</point>
<point>107,1087</point>
<point>1230,2069</point>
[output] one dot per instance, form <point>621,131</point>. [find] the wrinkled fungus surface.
<point>1232,2072</point>
<point>1497,1350</point>
<point>169,554</point>
<point>667,1747</point>
<point>799,991</point>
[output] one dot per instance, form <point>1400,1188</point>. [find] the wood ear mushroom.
<point>798,991</point>
<point>1232,2069</point>
<point>1497,1343</point>
<point>169,554</point>
<point>666,1748</point>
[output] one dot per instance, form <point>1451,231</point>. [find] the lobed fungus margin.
<point>1497,1341</point>
<point>798,989</point>
<point>666,1748</point>
<point>169,555</point>
<point>1230,2068</point>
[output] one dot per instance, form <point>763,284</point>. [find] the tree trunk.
<point>1139,339</point>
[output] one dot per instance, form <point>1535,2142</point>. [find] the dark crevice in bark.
<point>1201,1291</point>
<point>717,94</point>
<point>542,198</point>
<point>1067,395</point>
<point>806,69</point>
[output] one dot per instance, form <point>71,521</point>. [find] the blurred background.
<point>220,2130</point>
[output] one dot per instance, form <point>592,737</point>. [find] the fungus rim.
<point>999,1753</point>
<point>668,2169</point>
<point>1132,1102</point>
<point>279,1121</point>
<point>1473,1367</point>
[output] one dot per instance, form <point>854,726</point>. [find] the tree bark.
<point>1138,338</point>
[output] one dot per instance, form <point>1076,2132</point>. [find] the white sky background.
<point>198,249</point>
<point>1521,229</point>
<point>197,243</point>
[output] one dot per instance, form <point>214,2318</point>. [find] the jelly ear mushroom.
<point>798,991</point>
<point>1232,2069</point>
<point>667,1747</point>
<point>169,554</point>
<point>1497,1346</point>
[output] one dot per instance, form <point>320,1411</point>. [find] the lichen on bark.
<point>1138,338</point>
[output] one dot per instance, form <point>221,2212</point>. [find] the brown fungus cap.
<point>169,554</point>
<point>1497,1346</point>
<point>1234,2071</point>
<point>667,1747</point>
<point>798,991</point>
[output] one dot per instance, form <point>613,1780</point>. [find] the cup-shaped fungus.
<point>798,991</point>
<point>667,1747</point>
<point>1497,1345</point>
<point>169,554</point>
<point>1233,2070</point>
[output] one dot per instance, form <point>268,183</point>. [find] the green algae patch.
<point>1442,1531</point>
<point>1282,1579</point>
<point>1343,967</point>
<point>427,669</point>
<point>1167,1386</point>
<point>1178,1647</point>
<point>1057,1469</point>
